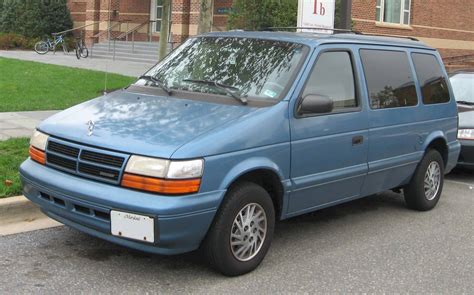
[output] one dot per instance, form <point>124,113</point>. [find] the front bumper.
<point>180,222</point>
<point>466,158</point>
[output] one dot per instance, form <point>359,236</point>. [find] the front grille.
<point>99,171</point>
<point>62,162</point>
<point>85,161</point>
<point>63,149</point>
<point>102,158</point>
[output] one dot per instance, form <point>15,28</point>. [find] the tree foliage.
<point>34,18</point>
<point>260,14</point>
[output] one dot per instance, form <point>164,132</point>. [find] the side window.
<point>389,79</point>
<point>432,82</point>
<point>333,76</point>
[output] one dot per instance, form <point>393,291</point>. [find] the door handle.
<point>356,140</point>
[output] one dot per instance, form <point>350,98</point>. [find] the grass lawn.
<point>30,86</point>
<point>12,153</point>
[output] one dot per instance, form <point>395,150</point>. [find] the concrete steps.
<point>142,52</point>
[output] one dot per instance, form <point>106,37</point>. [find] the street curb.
<point>18,214</point>
<point>18,209</point>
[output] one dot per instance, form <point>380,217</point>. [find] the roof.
<point>313,39</point>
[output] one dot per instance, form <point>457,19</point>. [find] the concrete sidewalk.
<point>21,124</point>
<point>133,69</point>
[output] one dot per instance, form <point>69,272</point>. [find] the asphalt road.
<point>369,245</point>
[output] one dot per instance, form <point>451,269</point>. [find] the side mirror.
<point>316,104</point>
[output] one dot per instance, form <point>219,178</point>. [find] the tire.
<point>41,47</point>
<point>84,52</point>
<point>78,54</point>
<point>227,258</point>
<point>417,193</point>
<point>65,49</point>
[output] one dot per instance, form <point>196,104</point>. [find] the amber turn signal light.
<point>37,155</point>
<point>162,186</point>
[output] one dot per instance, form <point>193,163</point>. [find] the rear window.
<point>432,82</point>
<point>389,79</point>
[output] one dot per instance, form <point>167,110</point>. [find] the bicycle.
<point>44,46</point>
<point>81,49</point>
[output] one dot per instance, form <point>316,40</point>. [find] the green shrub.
<point>16,41</point>
<point>260,14</point>
<point>34,18</point>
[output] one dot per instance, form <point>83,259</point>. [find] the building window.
<point>393,11</point>
<point>156,14</point>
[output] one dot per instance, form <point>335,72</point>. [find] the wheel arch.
<point>437,141</point>
<point>263,172</point>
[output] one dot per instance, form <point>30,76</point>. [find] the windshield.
<point>253,68</point>
<point>463,87</point>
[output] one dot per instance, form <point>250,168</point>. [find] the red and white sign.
<point>316,14</point>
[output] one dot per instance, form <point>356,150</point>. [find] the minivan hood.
<point>140,124</point>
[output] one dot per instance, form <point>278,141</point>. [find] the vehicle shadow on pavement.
<point>301,229</point>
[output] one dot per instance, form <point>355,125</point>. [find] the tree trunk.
<point>205,16</point>
<point>164,29</point>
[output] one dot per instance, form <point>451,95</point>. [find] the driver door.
<point>329,150</point>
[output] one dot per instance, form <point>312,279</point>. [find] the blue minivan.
<point>233,131</point>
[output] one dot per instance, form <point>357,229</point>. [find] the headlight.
<point>185,169</point>
<point>39,140</point>
<point>163,176</point>
<point>466,134</point>
<point>147,166</point>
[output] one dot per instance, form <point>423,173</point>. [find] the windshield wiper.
<point>156,81</point>
<point>224,87</point>
<point>469,103</point>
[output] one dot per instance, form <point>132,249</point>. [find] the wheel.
<point>242,230</point>
<point>84,52</point>
<point>78,54</point>
<point>424,190</point>
<point>41,47</point>
<point>65,49</point>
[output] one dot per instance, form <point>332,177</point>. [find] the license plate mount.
<point>132,226</point>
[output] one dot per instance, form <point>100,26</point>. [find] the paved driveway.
<point>126,68</point>
<point>21,124</point>
<point>369,245</point>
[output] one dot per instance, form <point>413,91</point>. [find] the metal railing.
<point>132,32</point>
<point>109,31</point>
<point>75,29</point>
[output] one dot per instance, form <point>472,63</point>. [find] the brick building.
<point>445,24</point>
<point>145,15</point>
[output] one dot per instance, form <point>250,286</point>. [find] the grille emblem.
<point>90,127</point>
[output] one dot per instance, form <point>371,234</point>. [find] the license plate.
<point>132,226</point>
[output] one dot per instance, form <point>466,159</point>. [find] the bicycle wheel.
<point>84,52</point>
<point>41,47</point>
<point>78,52</point>
<point>65,49</point>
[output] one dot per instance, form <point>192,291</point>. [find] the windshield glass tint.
<point>255,68</point>
<point>463,87</point>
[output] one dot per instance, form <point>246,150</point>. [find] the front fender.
<point>220,171</point>
<point>248,165</point>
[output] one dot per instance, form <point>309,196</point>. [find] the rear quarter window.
<point>433,85</point>
<point>389,79</point>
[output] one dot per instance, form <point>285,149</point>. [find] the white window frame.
<point>381,16</point>
<point>153,17</point>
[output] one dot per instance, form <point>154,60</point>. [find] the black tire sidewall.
<point>84,52</point>
<point>218,246</point>
<point>43,43</point>
<point>414,192</point>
